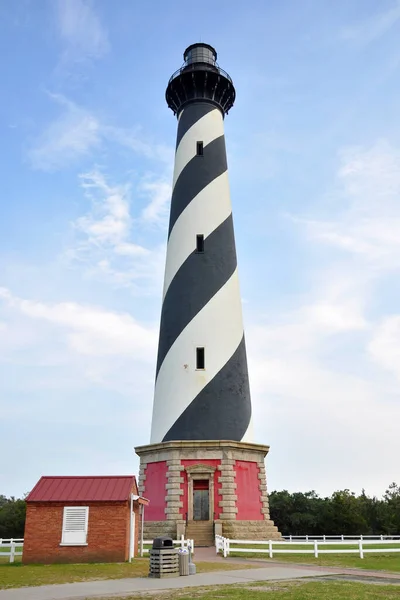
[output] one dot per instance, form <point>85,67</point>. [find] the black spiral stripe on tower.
<point>219,411</point>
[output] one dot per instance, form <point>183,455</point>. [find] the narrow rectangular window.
<point>75,525</point>
<point>200,149</point>
<point>200,243</point>
<point>200,358</point>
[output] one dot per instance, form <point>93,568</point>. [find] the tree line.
<point>298,513</point>
<point>12,517</point>
<point>342,513</point>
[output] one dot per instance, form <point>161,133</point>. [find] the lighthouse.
<point>202,471</point>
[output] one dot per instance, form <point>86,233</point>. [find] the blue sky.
<point>314,155</point>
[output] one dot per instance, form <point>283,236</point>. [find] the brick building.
<point>82,519</point>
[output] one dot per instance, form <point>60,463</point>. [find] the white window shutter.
<point>75,525</point>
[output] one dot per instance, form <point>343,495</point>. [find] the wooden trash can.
<point>164,559</point>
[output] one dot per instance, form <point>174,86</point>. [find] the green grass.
<point>370,562</point>
<point>19,575</point>
<point>299,547</point>
<point>18,548</point>
<point>6,559</point>
<point>280,591</point>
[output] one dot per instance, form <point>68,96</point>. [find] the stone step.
<point>204,544</point>
<point>206,525</point>
<point>201,532</point>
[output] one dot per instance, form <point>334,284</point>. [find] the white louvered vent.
<point>75,525</point>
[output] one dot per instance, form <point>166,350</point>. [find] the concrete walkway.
<point>112,587</point>
<point>209,555</point>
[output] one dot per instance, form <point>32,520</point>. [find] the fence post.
<point>324,538</point>
<point>290,538</point>
<point>361,537</point>
<point>342,538</point>
<point>270,548</point>
<point>316,548</point>
<point>360,546</point>
<point>381,539</point>
<point>216,544</point>
<point>12,551</point>
<point>306,538</point>
<point>225,547</point>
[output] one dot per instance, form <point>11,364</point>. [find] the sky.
<point>87,145</point>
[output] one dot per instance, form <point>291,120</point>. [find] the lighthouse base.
<point>202,488</point>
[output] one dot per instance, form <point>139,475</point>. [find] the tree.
<point>346,514</point>
<point>12,517</point>
<point>343,513</point>
<point>391,510</point>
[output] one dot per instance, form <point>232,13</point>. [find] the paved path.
<point>110,587</point>
<point>209,555</point>
<point>274,570</point>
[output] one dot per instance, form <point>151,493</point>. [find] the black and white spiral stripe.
<point>201,301</point>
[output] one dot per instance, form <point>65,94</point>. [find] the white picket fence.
<point>15,546</point>
<point>342,538</point>
<point>223,545</point>
<point>182,543</point>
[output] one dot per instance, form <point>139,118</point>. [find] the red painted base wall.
<point>156,479</point>
<point>247,490</point>
<point>248,494</point>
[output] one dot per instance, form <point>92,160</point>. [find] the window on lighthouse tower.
<point>200,148</point>
<point>200,243</point>
<point>200,359</point>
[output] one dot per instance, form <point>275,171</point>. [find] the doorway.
<point>201,500</point>
<point>200,482</point>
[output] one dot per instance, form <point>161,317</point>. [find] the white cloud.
<point>81,31</point>
<point>103,243</point>
<point>76,133</point>
<point>72,136</point>
<point>158,192</point>
<point>316,399</point>
<point>91,330</point>
<point>110,221</point>
<point>373,27</point>
<point>384,347</point>
<point>322,373</point>
<point>368,220</point>
<point>135,140</point>
<point>78,371</point>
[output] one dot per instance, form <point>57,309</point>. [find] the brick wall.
<point>108,533</point>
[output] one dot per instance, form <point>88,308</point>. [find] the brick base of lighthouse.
<point>219,485</point>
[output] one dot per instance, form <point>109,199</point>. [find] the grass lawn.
<point>6,559</point>
<point>310,547</point>
<point>280,591</point>
<point>19,575</point>
<point>18,548</point>
<point>370,562</point>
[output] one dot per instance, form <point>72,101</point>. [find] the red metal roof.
<point>83,489</point>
